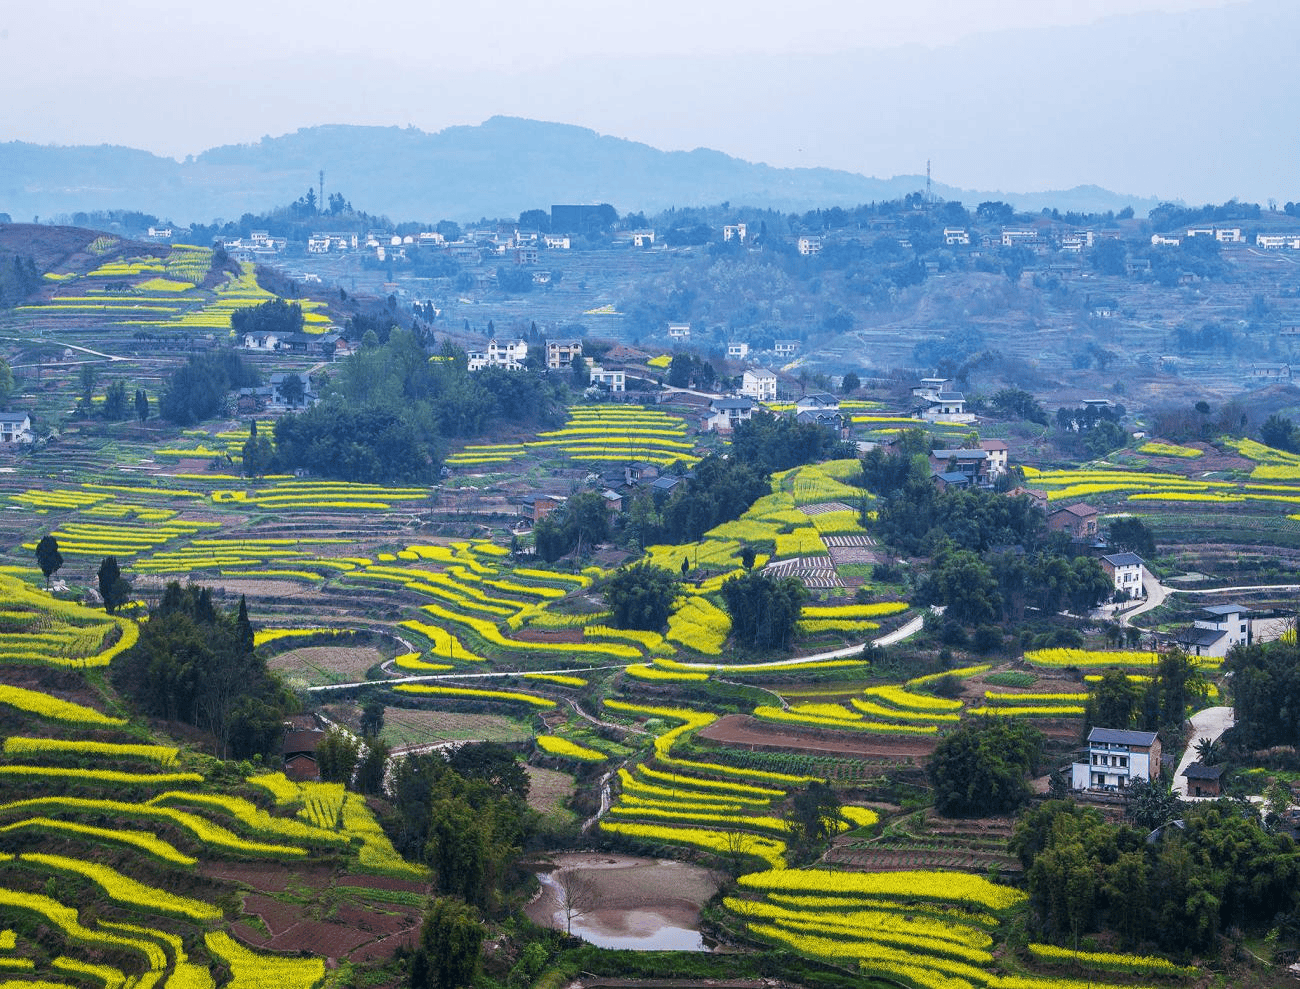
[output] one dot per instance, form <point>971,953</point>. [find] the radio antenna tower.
<point>929,198</point>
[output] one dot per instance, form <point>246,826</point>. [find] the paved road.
<point>1158,592</point>
<point>1210,723</point>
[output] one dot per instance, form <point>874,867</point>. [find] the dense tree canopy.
<point>776,443</point>
<point>367,444</point>
<point>197,389</point>
<point>1265,689</point>
<point>981,768</point>
<point>195,663</point>
<point>1180,889</point>
<point>764,609</point>
<point>273,316</point>
<point>642,596</point>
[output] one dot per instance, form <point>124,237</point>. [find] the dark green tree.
<point>115,407</point>
<point>812,817</point>
<point>980,768</point>
<point>293,389</point>
<point>491,763</point>
<point>1131,534</point>
<point>141,405</point>
<point>1112,701</point>
<point>642,596</point>
<point>48,557</point>
<point>1152,803</point>
<point>764,610</point>
<point>372,718</point>
<point>450,941</point>
<point>851,383</point>
<point>258,453</point>
<point>113,587</point>
<point>336,756</point>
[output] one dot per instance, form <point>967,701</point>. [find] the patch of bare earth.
<point>548,789</point>
<point>742,731</point>
<point>326,664</point>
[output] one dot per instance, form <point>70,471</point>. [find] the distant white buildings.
<point>734,231</point>
<point>1278,242</point>
<point>509,354</point>
<point>809,246</point>
<point>679,331</point>
<point>737,351</point>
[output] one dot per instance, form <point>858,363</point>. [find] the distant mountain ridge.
<point>496,169</point>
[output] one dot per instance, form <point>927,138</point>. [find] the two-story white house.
<point>759,384</point>
<point>785,348</point>
<point>808,246</point>
<point>737,350</point>
<point>614,381</point>
<point>509,354</point>
<point>1218,629</point>
<point>956,236</point>
<point>15,427</point>
<point>1125,570</point>
<point>679,331</point>
<point>726,413</point>
<point>1115,758</point>
<point>942,402</point>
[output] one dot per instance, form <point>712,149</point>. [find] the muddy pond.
<point>619,901</point>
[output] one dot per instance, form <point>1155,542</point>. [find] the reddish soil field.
<point>267,877</point>
<point>319,938</point>
<point>741,730</point>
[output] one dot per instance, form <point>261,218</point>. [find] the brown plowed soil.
<point>319,938</point>
<point>267,877</point>
<point>741,730</point>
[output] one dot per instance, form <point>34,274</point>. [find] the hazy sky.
<point>735,75</point>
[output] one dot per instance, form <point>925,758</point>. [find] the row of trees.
<point>1179,888</point>
<point>195,663</point>
<point>1160,703</point>
<point>197,389</point>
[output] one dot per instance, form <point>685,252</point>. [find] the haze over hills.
<point>498,168</point>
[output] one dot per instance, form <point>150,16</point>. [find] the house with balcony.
<point>809,246</point>
<point>785,348</point>
<point>679,331</point>
<point>509,354</point>
<point>941,401</point>
<point>999,454</point>
<point>560,353</point>
<point>737,350</point>
<point>1115,757</point>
